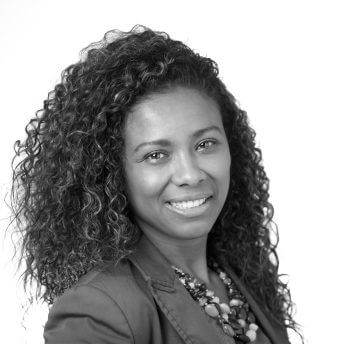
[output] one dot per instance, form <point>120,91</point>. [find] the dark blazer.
<point>139,301</point>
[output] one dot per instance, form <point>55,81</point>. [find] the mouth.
<point>188,204</point>
<point>195,207</point>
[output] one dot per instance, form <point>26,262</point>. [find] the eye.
<point>206,145</point>
<point>155,157</point>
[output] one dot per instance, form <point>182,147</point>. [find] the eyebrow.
<point>166,143</point>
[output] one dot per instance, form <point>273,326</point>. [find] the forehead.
<point>173,114</point>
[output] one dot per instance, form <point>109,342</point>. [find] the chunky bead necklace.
<point>235,319</point>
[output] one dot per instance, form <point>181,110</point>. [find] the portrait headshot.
<point>171,173</point>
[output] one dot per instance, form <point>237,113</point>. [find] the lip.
<point>191,212</point>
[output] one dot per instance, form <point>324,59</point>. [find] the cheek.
<point>219,166</point>
<point>222,171</point>
<point>145,184</point>
<point>224,179</point>
<point>227,167</point>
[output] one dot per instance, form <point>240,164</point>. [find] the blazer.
<point>140,300</point>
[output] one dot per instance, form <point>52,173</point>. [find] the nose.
<point>187,171</point>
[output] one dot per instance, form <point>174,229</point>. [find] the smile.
<point>190,208</point>
<point>188,204</point>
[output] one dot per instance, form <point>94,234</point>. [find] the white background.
<point>283,60</point>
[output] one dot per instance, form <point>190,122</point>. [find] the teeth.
<point>188,204</point>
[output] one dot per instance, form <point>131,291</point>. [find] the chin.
<point>192,231</point>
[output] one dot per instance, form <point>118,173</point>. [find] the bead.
<point>210,293</point>
<point>215,299</point>
<point>225,308</point>
<point>228,330</point>
<point>243,338</point>
<point>242,314</point>
<point>251,318</point>
<point>182,280</point>
<point>202,301</point>
<point>236,325</point>
<point>224,316</point>
<point>235,302</point>
<point>211,310</point>
<point>192,285</point>
<point>227,280</point>
<point>242,322</point>
<point>253,327</point>
<point>222,275</point>
<point>252,335</point>
<point>233,312</point>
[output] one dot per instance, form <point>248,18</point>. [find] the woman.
<point>144,203</point>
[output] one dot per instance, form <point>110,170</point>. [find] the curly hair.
<point>69,193</point>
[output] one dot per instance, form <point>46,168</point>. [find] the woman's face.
<point>177,164</point>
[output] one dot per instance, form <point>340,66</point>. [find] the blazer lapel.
<point>173,299</point>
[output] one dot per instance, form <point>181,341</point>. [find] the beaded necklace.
<point>235,319</point>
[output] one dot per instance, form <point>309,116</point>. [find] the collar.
<point>153,265</point>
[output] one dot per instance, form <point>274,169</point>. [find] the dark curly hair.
<point>69,193</point>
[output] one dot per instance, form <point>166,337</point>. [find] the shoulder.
<point>104,303</point>
<point>121,282</point>
<point>112,280</point>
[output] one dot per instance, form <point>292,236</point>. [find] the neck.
<point>189,255</point>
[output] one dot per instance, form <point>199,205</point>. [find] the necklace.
<point>235,319</point>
